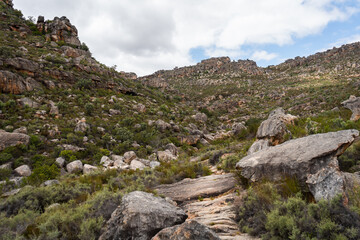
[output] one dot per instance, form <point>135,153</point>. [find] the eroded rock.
<point>12,139</point>
<point>353,103</point>
<point>140,216</point>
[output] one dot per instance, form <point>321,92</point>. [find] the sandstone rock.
<point>154,164</point>
<point>190,230</point>
<point>162,126</point>
<point>274,128</point>
<point>15,84</point>
<point>74,167</point>
<point>22,130</point>
<point>60,161</point>
<point>60,29</point>
<point>353,103</point>
<point>54,110</point>
<point>312,160</point>
<point>120,164</point>
<point>204,142</point>
<point>72,148</point>
<point>165,156</point>
<point>50,182</point>
<point>82,126</point>
<point>106,161</point>
<point>7,166</point>
<point>74,53</point>
<point>140,108</point>
<point>259,145</point>
<point>23,171</point>
<point>172,148</point>
<point>116,158</point>
<point>129,156</point>
<point>12,139</point>
<point>28,102</point>
<point>236,128</point>
<point>140,216</point>
<point>22,64</point>
<point>189,189</point>
<point>114,112</point>
<point>135,164</point>
<point>200,117</point>
<point>89,169</point>
<point>190,140</point>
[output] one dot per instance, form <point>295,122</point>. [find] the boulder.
<point>50,183</point>
<point>353,103</point>
<point>200,117</point>
<point>140,216</point>
<point>15,84</point>
<point>172,148</point>
<point>154,164</point>
<point>165,156</point>
<point>129,156</point>
<point>23,171</point>
<point>236,128</point>
<point>74,167</point>
<point>274,128</point>
<point>23,64</point>
<point>82,126</point>
<point>162,126</point>
<point>7,166</point>
<point>259,145</point>
<point>190,189</point>
<point>106,161</point>
<point>89,169</point>
<point>12,139</point>
<point>54,110</point>
<point>28,102</point>
<point>312,160</point>
<point>135,164</point>
<point>22,130</point>
<point>190,140</point>
<point>189,230</point>
<point>60,161</point>
<point>120,164</point>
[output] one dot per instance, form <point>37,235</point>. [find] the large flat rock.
<point>190,189</point>
<point>311,160</point>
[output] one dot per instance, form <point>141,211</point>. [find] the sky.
<point>144,36</point>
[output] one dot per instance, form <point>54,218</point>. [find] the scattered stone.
<point>353,103</point>
<point>162,126</point>
<point>135,164</point>
<point>172,148</point>
<point>89,169</point>
<point>82,126</point>
<point>28,102</point>
<point>120,164</point>
<point>237,128</point>
<point>200,117</point>
<point>129,156</point>
<point>74,167</point>
<point>190,230</point>
<point>154,164</point>
<point>140,216</point>
<point>7,166</point>
<point>140,108</point>
<point>114,112</point>
<point>60,161</point>
<point>72,148</point>
<point>50,182</point>
<point>54,110</point>
<point>165,156</point>
<point>23,171</point>
<point>11,193</point>
<point>106,161</point>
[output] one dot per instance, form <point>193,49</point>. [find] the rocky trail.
<point>208,200</point>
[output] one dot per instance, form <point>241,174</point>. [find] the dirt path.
<point>209,200</point>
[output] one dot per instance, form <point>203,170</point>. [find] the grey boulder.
<point>353,103</point>
<point>140,216</point>
<point>12,139</point>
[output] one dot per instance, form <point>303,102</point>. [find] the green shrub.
<point>89,109</point>
<point>83,84</point>
<point>68,155</point>
<point>41,173</point>
<point>5,157</point>
<point>5,174</point>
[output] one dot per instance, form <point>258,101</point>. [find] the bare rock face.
<point>15,84</point>
<point>12,139</point>
<point>189,230</point>
<point>23,64</point>
<point>140,216</point>
<point>60,29</point>
<point>189,189</point>
<point>28,102</point>
<point>353,103</point>
<point>312,160</point>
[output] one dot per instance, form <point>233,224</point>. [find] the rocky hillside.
<point>219,150</point>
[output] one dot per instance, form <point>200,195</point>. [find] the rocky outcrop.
<point>190,189</point>
<point>59,29</point>
<point>190,230</point>
<point>23,171</point>
<point>312,160</point>
<point>353,103</point>
<point>12,139</point>
<point>259,145</point>
<point>140,216</point>
<point>23,65</point>
<point>15,84</point>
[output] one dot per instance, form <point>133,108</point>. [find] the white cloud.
<point>263,55</point>
<point>146,35</point>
